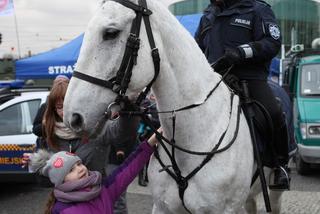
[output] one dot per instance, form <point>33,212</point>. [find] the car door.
<point>16,135</point>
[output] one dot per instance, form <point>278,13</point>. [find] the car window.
<point>33,107</point>
<point>310,81</point>
<point>18,118</point>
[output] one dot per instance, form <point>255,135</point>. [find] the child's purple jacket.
<point>113,185</point>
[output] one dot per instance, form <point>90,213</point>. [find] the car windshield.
<point>310,80</point>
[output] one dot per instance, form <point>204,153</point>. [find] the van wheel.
<point>303,168</point>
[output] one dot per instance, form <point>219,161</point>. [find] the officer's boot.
<point>281,179</point>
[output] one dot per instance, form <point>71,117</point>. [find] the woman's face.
<point>59,107</point>
<point>77,172</point>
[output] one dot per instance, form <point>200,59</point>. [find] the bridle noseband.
<point>119,83</point>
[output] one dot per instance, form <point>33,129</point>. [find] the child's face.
<point>77,172</point>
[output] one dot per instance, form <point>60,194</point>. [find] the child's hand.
<point>25,159</point>
<point>153,141</point>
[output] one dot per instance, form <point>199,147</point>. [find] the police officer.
<point>244,33</point>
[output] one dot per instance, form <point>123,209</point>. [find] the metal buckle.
<point>112,112</point>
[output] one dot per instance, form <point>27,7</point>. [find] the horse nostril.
<point>76,121</point>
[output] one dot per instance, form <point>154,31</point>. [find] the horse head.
<point>104,58</point>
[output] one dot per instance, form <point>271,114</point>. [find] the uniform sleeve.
<point>199,34</point>
<point>267,37</point>
<point>120,179</point>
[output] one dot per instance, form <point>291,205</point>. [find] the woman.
<point>59,137</point>
<point>37,123</point>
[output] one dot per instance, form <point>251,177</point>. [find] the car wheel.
<point>303,168</point>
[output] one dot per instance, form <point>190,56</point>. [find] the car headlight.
<point>303,130</point>
<point>314,130</point>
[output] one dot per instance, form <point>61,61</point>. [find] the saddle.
<point>263,125</point>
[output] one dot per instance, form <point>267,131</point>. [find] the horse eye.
<point>110,33</point>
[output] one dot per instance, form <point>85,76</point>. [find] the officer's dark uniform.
<point>248,28</point>
<point>249,24</point>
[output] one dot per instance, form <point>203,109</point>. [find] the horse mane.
<point>181,48</point>
<point>169,24</point>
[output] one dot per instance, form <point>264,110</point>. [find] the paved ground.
<point>303,198</point>
<point>139,199</point>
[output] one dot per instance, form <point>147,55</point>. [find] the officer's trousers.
<point>260,91</point>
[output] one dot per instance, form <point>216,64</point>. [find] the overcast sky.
<point>45,24</point>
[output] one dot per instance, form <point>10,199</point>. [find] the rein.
<point>182,181</point>
<point>145,119</point>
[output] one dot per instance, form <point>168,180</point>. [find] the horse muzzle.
<point>76,122</point>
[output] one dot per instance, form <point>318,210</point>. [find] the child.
<point>77,190</point>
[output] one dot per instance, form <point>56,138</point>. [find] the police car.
<point>18,109</point>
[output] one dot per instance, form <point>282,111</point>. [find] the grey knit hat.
<point>55,166</point>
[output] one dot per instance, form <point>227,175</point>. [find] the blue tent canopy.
<point>190,22</point>
<point>50,64</point>
<point>274,69</point>
<point>62,60</point>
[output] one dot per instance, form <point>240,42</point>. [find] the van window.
<point>310,80</point>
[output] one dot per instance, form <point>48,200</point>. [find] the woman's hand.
<point>153,141</point>
<point>25,159</point>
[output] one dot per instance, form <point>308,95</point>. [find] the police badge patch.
<point>274,31</point>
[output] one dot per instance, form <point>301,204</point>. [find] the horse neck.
<point>186,78</point>
<point>184,68</point>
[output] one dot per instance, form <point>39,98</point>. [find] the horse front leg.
<point>157,210</point>
<point>275,200</point>
<point>251,202</point>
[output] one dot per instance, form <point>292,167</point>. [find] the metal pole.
<point>17,32</point>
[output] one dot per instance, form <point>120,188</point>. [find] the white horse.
<point>185,78</point>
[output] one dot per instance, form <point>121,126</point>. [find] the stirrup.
<point>277,187</point>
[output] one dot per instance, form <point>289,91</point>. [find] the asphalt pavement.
<point>303,198</point>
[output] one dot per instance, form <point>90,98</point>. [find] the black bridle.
<point>119,84</point>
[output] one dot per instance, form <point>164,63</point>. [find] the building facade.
<point>299,20</point>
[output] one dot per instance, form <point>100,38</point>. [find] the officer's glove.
<point>231,57</point>
<point>234,55</point>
